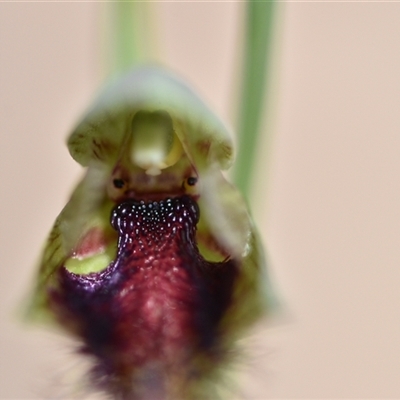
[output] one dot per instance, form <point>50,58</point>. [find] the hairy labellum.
<point>156,306</point>
<point>153,264</point>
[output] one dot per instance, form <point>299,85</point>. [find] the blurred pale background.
<point>326,199</point>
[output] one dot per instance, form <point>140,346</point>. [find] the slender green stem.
<point>257,47</point>
<point>133,34</point>
<point>126,45</point>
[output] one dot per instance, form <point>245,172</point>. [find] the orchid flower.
<point>154,264</point>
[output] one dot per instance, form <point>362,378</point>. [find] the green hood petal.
<point>107,121</point>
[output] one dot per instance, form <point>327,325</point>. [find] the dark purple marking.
<point>158,303</point>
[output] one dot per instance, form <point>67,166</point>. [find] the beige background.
<point>327,195</point>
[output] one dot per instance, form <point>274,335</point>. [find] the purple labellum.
<point>156,308</point>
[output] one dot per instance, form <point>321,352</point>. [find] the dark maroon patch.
<point>158,303</point>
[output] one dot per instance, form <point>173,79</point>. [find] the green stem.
<point>133,34</point>
<point>257,47</point>
<point>126,47</point>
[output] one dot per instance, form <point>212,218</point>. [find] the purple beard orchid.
<point>153,264</point>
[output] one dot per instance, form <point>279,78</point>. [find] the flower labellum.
<point>153,264</point>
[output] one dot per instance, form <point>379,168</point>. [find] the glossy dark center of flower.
<point>150,228</point>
